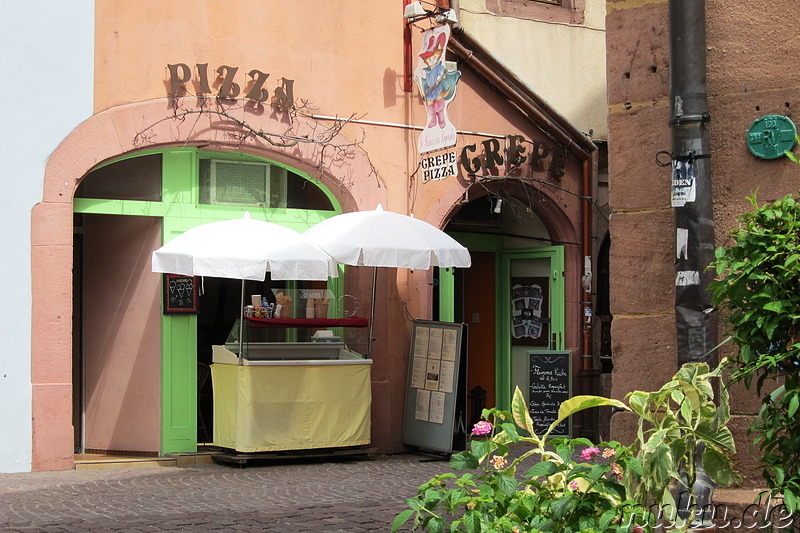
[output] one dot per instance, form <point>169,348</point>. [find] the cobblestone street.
<point>322,496</point>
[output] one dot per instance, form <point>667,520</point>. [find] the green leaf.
<point>794,403</point>
<point>519,410</point>
<point>544,468</point>
<point>511,431</point>
<point>436,524</point>
<point>561,506</point>
<point>464,461</point>
<point>773,306</point>
<point>401,519</point>
<point>579,403</point>
<point>472,521</point>
<point>507,485</point>
<point>481,448</point>
<point>719,467</point>
<point>606,518</point>
<point>790,499</point>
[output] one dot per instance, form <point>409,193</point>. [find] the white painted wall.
<point>565,64</point>
<point>47,60</point>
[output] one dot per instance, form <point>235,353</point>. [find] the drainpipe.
<point>696,327</point>
<point>695,324</point>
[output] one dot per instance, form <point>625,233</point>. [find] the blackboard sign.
<point>550,384</point>
<point>180,294</point>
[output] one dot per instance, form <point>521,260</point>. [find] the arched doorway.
<point>513,249</point>
<point>103,137</point>
<point>143,373</point>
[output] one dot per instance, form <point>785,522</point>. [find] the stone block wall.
<point>750,73</point>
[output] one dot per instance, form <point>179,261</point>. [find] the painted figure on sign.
<point>438,84</point>
<point>437,81</point>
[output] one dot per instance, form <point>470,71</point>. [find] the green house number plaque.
<point>770,135</point>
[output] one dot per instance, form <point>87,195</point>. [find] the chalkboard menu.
<point>550,384</point>
<point>180,294</point>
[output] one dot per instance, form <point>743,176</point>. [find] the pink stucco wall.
<point>346,61</point>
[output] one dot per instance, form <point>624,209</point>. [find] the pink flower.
<point>608,453</point>
<point>588,453</point>
<point>573,485</point>
<point>482,428</point>
<point>637,529</point>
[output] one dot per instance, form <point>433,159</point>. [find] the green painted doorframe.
<point>180,210</point>
<point>555,254</point>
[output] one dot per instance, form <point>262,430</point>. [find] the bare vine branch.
<point>328,139</point>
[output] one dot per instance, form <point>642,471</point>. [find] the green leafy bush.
<point>672,422</point>
<point>758,287</point>
<point>575,486</point>
<point>566,490</point>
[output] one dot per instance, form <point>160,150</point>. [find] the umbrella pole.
<point>372,312</point>
<point>241,326</point>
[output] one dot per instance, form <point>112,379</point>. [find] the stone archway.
<point>104,136</point>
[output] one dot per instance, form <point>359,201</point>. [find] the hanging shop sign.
<point>440,166</point>
<point>490,155</point>
<point>437,80</point>
<point>254,90</point>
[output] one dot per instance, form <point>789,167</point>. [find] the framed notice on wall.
<point>530,311</point>
<point>180,294</point>
<point>433,384</point>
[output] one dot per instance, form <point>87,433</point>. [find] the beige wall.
<point>749,75</point>
<point>563,61</point>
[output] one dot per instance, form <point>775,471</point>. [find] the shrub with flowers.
<point>572,485</point>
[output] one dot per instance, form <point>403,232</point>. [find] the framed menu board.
<point>434,384</point>
<point>180,294</point>
<point>550,383</point>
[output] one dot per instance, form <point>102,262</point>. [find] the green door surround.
<point>504,257</point>
<point>180,211</point>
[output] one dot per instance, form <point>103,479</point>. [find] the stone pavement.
<point>322,496</point>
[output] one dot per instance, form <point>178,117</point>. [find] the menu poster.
<point>447,373</point>
<point>449,344</point>
<point>423,404</point>
<point>418,372</point>
<point>437,407</point>
<point>550,385</point>
<point>432,374</point>
<point>421,337</point>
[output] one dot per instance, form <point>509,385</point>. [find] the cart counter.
<point>295,396</point>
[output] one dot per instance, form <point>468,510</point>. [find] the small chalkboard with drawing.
<point>180,294</point>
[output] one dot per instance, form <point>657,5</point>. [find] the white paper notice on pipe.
<point>683,183</point>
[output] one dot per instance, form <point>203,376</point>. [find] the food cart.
<point>301,395</point>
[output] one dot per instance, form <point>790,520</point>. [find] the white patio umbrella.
<point>384,239</point>
<point>245,249</point>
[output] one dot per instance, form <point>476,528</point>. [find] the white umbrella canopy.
<point>384,239</point>
<point>244,248</point>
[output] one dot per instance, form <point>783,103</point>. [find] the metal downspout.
<point>695,324</point>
